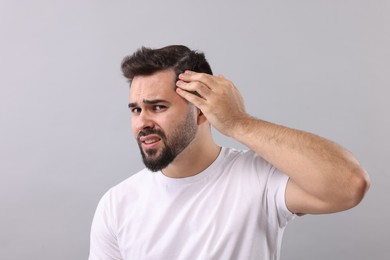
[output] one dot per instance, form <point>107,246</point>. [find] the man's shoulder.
<point>245,156</point>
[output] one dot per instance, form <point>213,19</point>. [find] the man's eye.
<point>136,110</point>
<point>159,107</point>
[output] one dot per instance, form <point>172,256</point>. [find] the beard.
<point>181,137</point>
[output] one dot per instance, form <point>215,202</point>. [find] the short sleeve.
<point>272,184</point>
<point>276,195</point>
<point>103,241</point>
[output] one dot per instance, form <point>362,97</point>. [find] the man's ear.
<point>201,118</point>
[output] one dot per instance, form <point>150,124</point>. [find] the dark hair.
<point>146,61</point>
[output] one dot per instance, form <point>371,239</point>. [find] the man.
<point>196,200</point>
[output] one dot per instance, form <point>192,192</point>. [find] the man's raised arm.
<point>324,177</point>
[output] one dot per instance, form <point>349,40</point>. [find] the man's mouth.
<point>149,140</point>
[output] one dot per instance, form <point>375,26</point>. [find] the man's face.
<point>163,123</point>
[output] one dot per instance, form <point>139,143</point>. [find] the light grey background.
<point>65,138</point>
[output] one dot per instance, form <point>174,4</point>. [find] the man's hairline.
<point>130,80</point>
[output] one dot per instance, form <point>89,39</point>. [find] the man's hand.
<point>217,98</point>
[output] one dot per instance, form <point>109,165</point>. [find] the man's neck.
<point>193,160</point>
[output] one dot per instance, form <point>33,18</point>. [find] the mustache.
<point>150,131</point>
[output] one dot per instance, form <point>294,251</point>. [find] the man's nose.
<point>145,121</point>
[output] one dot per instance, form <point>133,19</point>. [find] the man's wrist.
<point>242,127</point>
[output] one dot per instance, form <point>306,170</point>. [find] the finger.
<point>197,87</point>
<point>191,76</point>
<point>190,97</point>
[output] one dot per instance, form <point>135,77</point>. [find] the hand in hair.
<point>217,98</point>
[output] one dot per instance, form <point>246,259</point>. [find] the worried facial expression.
<point>164,124</point>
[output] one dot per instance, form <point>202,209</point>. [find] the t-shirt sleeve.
<point>103,241</point>
<point>276,195</point>
<point>273,184</point>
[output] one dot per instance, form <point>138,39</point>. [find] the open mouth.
<point>150,140</point>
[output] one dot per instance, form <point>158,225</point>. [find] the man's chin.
<point>154,166</point>
<point>157,163</point>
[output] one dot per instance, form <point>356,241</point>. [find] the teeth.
<point>151,141</point>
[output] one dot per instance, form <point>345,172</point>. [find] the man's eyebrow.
<point>133,104</point>
<point>147,101</point>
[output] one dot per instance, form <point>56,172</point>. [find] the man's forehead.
<point>166,76</point>
<point>155,86</point>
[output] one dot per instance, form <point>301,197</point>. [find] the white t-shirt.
<point>235,209</point>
